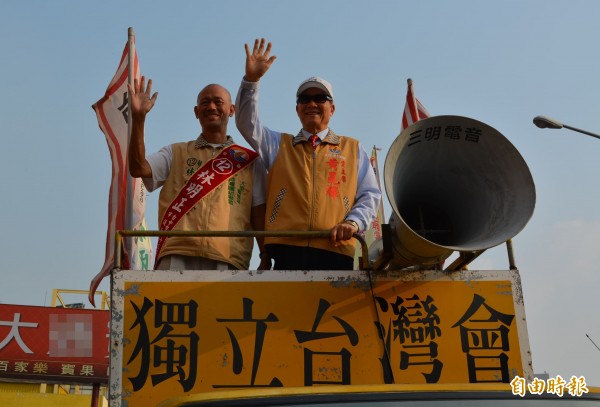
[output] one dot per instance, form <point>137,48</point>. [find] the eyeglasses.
<point>321,98</point>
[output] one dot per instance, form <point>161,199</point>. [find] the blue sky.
<point>501,63</point>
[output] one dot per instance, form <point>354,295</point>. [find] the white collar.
<point>322,134</point>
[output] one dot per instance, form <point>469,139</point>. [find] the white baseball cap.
<point>315,82</point>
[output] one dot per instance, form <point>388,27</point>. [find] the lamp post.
<point>544,122</point>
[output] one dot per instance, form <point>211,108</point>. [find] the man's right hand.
<point>140,103</point>
<point>139,97</point>
<point>258,61</point>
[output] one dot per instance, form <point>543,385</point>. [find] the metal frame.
<point>120,234</point>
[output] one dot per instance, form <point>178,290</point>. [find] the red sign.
<point>54,345</point>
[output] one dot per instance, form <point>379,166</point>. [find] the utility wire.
<point>592,341</point>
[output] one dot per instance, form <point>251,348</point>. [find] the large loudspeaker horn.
<point>454,184</point>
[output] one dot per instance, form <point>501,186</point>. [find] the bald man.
<point>209,183</point>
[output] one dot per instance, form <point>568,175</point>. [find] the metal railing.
<point>364,263</point>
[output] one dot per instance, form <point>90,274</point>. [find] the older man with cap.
<point>318,180</point>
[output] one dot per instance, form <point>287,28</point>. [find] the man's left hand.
<point>342,231</point>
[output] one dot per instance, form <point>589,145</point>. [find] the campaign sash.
<point>214,172</point>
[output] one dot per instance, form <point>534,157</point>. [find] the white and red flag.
<point>373,232</point>
<point>380,218</point>
<point>127,195</point>
<point>413,110</point>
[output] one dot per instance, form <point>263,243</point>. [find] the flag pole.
<point>376,166</point>
<point>131,42</point>
<point>130,181</point>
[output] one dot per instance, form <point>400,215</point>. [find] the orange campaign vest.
<point>312,189</point>
<point>206,179</point>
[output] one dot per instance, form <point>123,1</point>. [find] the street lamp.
<point>544,122</point>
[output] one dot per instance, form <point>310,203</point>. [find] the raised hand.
<point>139,97</point>
<point>258,61</point>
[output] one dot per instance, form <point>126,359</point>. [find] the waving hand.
<point>259,60</point>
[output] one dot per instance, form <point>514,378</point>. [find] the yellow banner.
<point>214,331</point>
